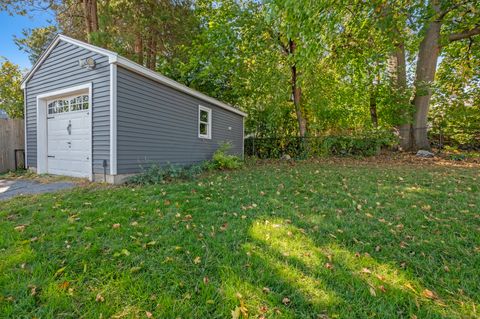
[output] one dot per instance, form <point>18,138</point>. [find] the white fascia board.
<point>137,68</point>
<point>112,56</point>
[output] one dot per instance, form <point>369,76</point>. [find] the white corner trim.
<point>90,103</point>
<point>209,133</point>
<point>25,127</point>
<point>112,56</point>
<point>137,68</point>
<point>113,119</point>
<point>243,138</point>
<point>42,123</point>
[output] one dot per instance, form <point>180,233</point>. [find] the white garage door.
<point>68,131</point>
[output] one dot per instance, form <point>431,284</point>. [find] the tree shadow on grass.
<point>328,279</point>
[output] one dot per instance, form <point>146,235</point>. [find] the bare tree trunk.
<point>373,106</point>
<point>398,74</point>
<point>297,92</point>
<point>93,12</point>
<point>91,17</point>
<point>152,53</point>
<point>425,74</point>
<point>139,49</point>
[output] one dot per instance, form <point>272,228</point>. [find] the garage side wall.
<point>61,70</point>
<point>158,124</point>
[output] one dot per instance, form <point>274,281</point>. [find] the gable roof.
<point>115,58</point>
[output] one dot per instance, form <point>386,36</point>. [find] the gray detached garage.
<point>89,111</point>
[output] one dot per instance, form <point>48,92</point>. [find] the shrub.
<point>155,174</point>
<point>364,144</point>
<point>222,160</point>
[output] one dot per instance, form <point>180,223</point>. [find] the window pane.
<point>51,107</point>
<point>203,116</point>
<point>203,128</point>
<point>85,106</point>
<point>63,105</point>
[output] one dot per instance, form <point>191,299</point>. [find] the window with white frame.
<point>70,104</point>
<point>204,122</point>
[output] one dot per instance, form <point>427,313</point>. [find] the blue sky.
<point>13,25</point>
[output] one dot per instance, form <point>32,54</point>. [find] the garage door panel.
<point>69,139</point>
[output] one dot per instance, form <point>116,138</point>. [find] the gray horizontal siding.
<point>60,70</point>
<point>158,124</point>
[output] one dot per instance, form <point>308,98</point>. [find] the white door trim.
<point>42,145</point>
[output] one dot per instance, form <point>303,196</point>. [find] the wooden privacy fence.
<point>12,137</point>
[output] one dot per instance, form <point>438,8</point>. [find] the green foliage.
<point>11,95</point>
<point>455,114</point>
<point>237,52</point>
<point>155,174</point>
<point>35,41</point>
<point>364,144</point>
<point>222,160</point>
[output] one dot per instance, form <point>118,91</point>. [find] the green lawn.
<point>310,240</point>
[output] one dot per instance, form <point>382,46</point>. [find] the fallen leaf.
<point>380,277</point>
<point>33,290</point>
<point>429,294</point>
<point>205,280</point>
<point>20,228</point>
<point>366,271</point>
<point>148,314</point>
<point>382,288</point>
<point>99,298</point>
<point>286,301</point>
<point>197,260</point>
<point>116,226</point>
<point>64,285</point>
<point>328,266</point>
<point>373,292</point>
<point>266,290</point>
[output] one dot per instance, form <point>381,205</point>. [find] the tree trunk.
<point>152,53</point>
<point>424,76</point>
<point>398,75</point>
<point>373,106</point>
<point>91,17</point>
<point>296,93</point>
<point>139,49</point>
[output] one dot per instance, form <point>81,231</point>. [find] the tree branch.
<point>463,35</point>
<point>448,10</point>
